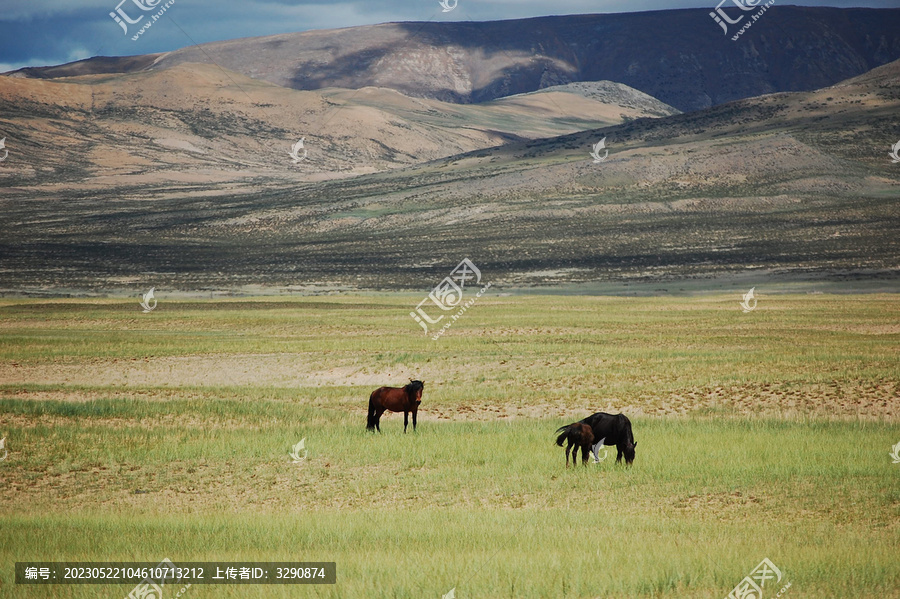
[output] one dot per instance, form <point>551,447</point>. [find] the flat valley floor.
<point>139,437</point>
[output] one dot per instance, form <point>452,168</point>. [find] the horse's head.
<point>629,452</point>
<point>414,390</point>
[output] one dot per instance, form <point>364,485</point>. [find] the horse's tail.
<point>565,433</point>
<point>370,420</point>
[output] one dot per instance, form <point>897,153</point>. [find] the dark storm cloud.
<point>43,32</point>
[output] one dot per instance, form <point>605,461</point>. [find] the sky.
<point>49,32</point>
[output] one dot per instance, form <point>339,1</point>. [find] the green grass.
<point>474,501</point>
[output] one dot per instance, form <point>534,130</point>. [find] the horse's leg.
<point>405,419</point>
<point>585,450</point>
<point>568,447</point>
<point>370,414</point>
<point>415,411</point>
<point>378,414</point>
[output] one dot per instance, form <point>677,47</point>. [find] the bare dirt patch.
<point>268,370</point>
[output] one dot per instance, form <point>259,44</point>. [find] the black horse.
<point>614,429</point>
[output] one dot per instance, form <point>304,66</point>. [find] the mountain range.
<point>160,171</point>
<point>680,57</point>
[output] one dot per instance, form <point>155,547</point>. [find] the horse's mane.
<point>414,386</point>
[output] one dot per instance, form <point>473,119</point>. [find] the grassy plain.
<point>134,437</point>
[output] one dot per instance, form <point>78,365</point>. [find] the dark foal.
<point>578,435</point>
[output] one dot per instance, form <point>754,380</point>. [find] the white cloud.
<point>75,54</point>
<point>6,67</point>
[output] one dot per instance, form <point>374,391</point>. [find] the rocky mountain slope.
<point>195,123</point>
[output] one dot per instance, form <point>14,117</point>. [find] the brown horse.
<point>578,435</point>
<point>396,399</point>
